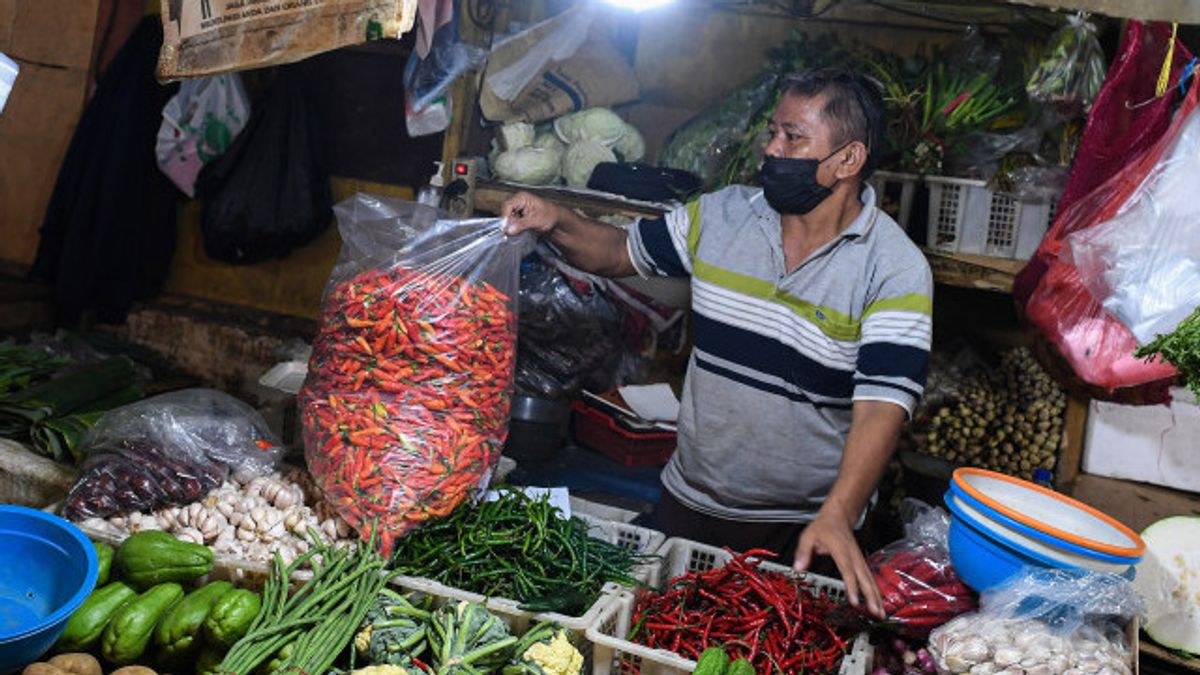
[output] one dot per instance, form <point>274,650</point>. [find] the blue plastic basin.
<point>980,560</point>
<point>47,568</point>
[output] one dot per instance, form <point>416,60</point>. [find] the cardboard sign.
<point>206,37</point>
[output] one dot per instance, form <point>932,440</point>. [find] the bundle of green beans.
<point>315,624</point>
<point>517,547</point>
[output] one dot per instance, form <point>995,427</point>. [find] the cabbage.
<point>630,146</point>
<point>581,158</point>
<point>1167,578</point>
<point>532,166</point>
<point>549,141</point>
<point>515,135</point>
<point>593,124</point>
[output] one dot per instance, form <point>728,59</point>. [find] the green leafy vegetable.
<point>1180,348</point>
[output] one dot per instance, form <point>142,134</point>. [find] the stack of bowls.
<point>999,524</point>
<point>47,568</point>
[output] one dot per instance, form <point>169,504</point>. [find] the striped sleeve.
<point>665,246</point>
<point>897,328</point>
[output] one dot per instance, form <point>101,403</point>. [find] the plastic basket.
<point>641,539</point>
<point>612,654</point>
<point>967,217</point>
<point>894,194</point>
<point>600,432</point>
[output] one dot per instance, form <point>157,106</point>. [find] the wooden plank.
<point>973,271</point>
<point>1070,456</point>
<point>1134,504</point>
<point>1183,11</point>
<point>489,195</point>
<point>1168,657</point>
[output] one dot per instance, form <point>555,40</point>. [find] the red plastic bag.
<point>405,408</point>
<point>1097,346</point>
<point>920,588</point>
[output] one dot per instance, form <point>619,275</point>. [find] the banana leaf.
<point>76,391</point>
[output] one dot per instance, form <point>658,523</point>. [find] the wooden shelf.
<point>489,195</point>
<point>973,271</point>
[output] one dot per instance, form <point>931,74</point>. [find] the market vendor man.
<point>812,327</point>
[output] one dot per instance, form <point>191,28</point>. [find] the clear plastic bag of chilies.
<point>405,408</point>
<point>1043,622</point>
<point>920,588</point>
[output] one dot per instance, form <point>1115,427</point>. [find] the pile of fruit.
<point>1008,419</point>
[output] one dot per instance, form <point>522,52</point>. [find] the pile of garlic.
<point>983,645</point>
<point>246,520</point>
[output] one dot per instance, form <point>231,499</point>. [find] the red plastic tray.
<point>600,432</point>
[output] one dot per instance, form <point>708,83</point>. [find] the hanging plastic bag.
<point>920,588</point>
<point>1144,264</point>
<point>269,193</point>
<point>8,78</point>
<point>570,333</point>
<point>169,450</point>
<point>1071,71</point>
<point>1043,621</point>
<point>1126,120</point>
<point>199,123</point>
<point>1099,348</point>
<point>405,408</point>
<point>426,79</point>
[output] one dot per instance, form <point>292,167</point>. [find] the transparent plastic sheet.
<point>405,408</point>
<point>169,450</point>
<point>919,585</point>
<point>1144,264</point>
<point>1045,621</point>
<point>701,146</point>
<point>570,334</point>
<point>1097,345</point>
<point>1070,73</point>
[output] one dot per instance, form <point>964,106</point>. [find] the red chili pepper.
<point>400,353</point>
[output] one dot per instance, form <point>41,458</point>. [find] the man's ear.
<point>851,160</point>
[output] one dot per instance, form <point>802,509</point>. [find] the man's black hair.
<point>853,108</point>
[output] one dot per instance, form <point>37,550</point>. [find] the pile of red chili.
<point>407,401</point>
<point>920,589</point>
<point>780,623</point>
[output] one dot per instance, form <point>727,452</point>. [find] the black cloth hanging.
<point>269,192</point>
<point>109,231</point>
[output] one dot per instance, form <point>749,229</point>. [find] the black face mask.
<point>790,185</point>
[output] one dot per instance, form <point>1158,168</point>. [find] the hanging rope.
<point>1164,77</point>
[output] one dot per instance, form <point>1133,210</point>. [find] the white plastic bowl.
<point>1049,514</point>
<point>1024,543</point>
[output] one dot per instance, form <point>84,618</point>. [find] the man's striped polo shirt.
<point>779,356</point>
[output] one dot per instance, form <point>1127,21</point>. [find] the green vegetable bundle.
<point>21,367</point>
<point>55,414</point>
<point>517,547</point>
<point>1180,348</point>
<point>307,630</point>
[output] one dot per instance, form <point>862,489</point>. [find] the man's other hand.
<point>831,533</point>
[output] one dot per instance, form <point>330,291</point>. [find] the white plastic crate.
<point>612,654</point>
<point>640,539</point>
<point>895,188</point>
<point>967,217</point>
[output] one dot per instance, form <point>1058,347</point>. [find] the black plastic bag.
<point>640,181</point>
<point>269,192</point>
